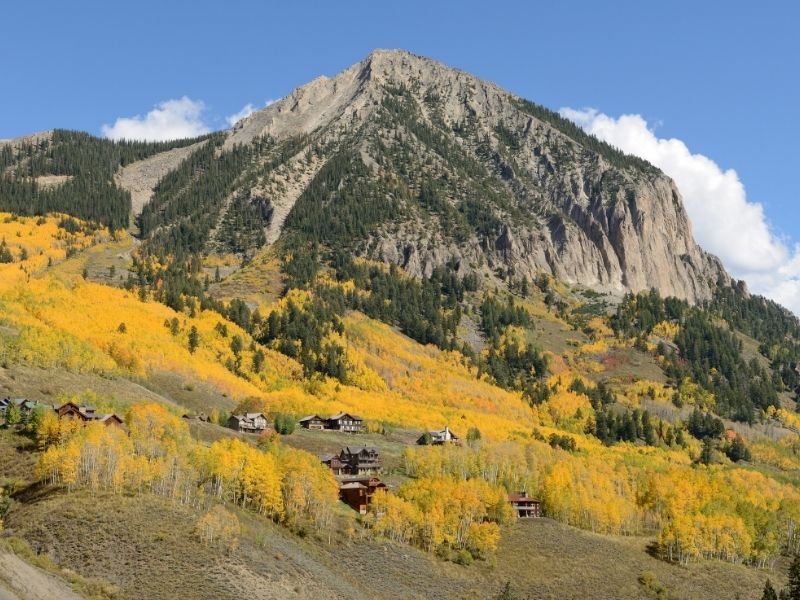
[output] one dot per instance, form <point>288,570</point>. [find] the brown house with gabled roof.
<point>354,461</point>
<point>345,422</point>
<point>524,506</point>
<point>333,462</point>
<point>248,422</point>
<point>314,422</point>
<point>86,414</point>
<point>361,461</point>
<point>357,492</point>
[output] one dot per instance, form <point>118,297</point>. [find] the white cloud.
<point>725,222</point>
<point>169,120</point>
<point>247,110</point>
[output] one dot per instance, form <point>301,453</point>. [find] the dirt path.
<point>21,581</point>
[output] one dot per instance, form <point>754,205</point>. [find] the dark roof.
<point>338,416</point>
<point>352,485</point>
<point>104,418</point>
<point>366,481</point>
<point>311,418</point>
<point>357,450</point>
<point>522,498</point>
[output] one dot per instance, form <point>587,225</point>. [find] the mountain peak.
<point>469,173</point>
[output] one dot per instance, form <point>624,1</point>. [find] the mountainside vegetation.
<point>603,451</point>
<point>87,165</point>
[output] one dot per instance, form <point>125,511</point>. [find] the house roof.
<point>444,431</point>
<point>311,418</point>
<point>358,450</point>
<point>254,415</point>
<point>104,418</point>
<point>365,481</point>
<point>338,416</point>
<point>521,498</point>
<point>352,485</point>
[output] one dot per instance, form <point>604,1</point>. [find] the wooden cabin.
<point>248,422</point>
<point>357,492</point>
<point>110,420</point>
<point>361,461</point>
<point>86,414</point>
<point>345,423</point>
<point>332,461</point>
<point>314,422</point>
<point>70,410</point>
<point>524,506</point>
<point>438,437</point>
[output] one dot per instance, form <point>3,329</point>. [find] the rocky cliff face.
<point>403,159</point>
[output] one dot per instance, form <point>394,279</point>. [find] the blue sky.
<point>720,76</point>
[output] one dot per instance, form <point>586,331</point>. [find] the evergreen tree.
<point>793,588</point>
<point>194,339</point>
<point>769,592</point>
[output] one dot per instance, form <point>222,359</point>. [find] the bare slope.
<point>146,547</point>
<point>141,177</point>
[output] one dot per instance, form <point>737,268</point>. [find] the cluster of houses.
<point>68,410</point>
<point>258,422</point>
<point>356,468</point>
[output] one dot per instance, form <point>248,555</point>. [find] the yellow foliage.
<point>666,330</point>
<point>159,456</point>
<point>219,527</point>
<point>563,407</point>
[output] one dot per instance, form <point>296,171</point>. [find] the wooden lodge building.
<point>248,423</point>
<point>70,410</point>
<point>313,422</point>
<point>524,506</point>
<point>357,492</point>
<point>354,461</point>
<point>344,422</point>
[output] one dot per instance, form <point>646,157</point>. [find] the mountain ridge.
<point>644,241</point>
<point>405,160</point>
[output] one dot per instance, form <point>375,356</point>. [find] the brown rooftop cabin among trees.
<point>248,422</point>
<point>524,506</point>
<point>70,410</point>
<point>357,492</point>
<point>354,460</point>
